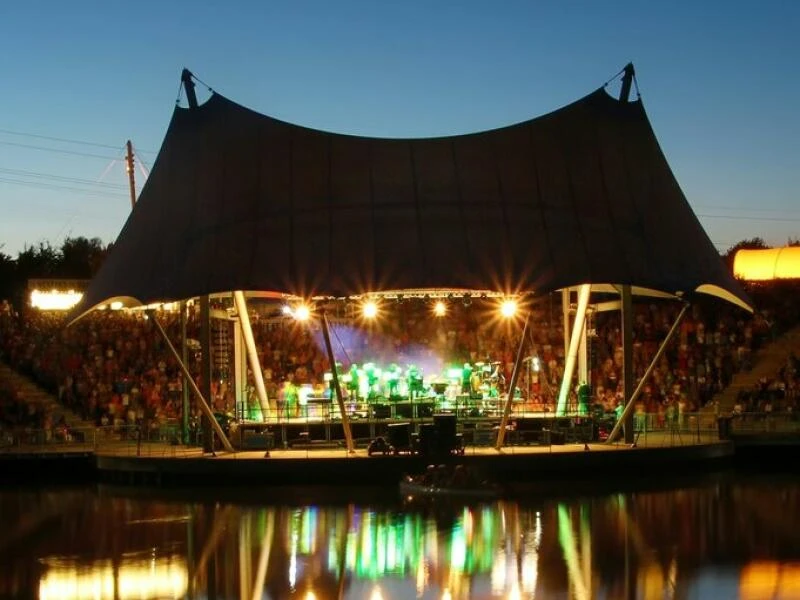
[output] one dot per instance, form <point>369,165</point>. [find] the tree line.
<point>76,258</point>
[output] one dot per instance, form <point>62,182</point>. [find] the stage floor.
<point>161,450</point>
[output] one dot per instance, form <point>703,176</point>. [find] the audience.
<point>112,368</point>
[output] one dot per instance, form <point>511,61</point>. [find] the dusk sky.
<point>719,81</point>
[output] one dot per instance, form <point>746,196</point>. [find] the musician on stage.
<point>393,380</point>
<point>353,387</point>
<point>466,378</point>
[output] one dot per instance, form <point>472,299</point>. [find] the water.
<point>727,536</point>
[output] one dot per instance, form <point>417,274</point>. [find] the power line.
<point>749,218</point>
<point>744,209</point>
<point>57,139</point>
<point>65,140</point>
<point>62,178</point>
<point>51,186</point>
<point>58,150</point>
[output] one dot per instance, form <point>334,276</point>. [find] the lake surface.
<point>726,536</point>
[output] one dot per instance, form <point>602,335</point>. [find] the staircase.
<point>36,395</point>
<point>767,363</point>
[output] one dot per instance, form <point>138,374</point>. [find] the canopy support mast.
<point>188,377</point>
<point>188,86</point>
<point>205,321</point>
<point>627,79</point>
<point>348,436</point>
<point>629,406</point>
<point>252,354</point>
<point>577,330</point>
<point>501,434</point>
<point>626,297</point>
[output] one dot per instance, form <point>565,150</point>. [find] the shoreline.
<point>522,468</point>
<point>517,466</point>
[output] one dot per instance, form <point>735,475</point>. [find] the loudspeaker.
<point>428,439</point>
<point>399,435</point>
<point>381,411</point>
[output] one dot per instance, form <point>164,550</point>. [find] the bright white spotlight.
<point>508,308</point>
<point>370,309</point>
<point>302,313</point>
<point>286,310</point>
<point>439,309</point>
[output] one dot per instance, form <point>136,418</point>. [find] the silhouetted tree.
<point>81,257</point>
<point>755,243</point>
<point>38,262</point>
<point>8,275</point>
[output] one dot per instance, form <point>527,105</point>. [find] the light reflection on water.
<point>721,539</point>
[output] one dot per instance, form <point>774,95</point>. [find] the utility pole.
<point>131,174</point>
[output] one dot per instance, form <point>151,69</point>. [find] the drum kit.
<point>486,381</point>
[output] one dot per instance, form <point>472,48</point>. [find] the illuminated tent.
<point>767,264</point>
<point>237,200</point>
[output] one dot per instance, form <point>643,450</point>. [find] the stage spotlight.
<point>508,308</point>
<point>286,310</point>
<point>370,309</point>
<point>302,312</point>
<point>439,309</point>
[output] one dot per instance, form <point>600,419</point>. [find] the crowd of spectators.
<point>113,368</point>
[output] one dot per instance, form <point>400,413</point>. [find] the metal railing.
<point>475,436</point>
<point>779,423</point>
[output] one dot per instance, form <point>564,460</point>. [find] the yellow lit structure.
<point>164,577</point>
<point>769,579</point>
<point>768,264</point>
<point>54,299</point>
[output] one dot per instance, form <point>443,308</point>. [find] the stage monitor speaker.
<point>258,440</point>
<point>399,435</point>
<point>381,411</point>
<point>425,410</point>
<point>404,410</point>
<point>428,439</point>
<point>446,424</point>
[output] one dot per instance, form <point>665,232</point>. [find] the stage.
<point>524,428</point>
<point>159,464</point>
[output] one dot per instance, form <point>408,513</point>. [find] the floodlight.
<point>370,309</point>
<point>508,308</point>
<point>302,312</point>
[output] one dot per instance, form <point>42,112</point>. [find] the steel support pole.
<point>206,370</point>
<point>635,395</point>
<point>569,365</point>
<point>239,372</point>
<point>627,358</point>
<point>565,309</point>
<point>252,354</point>
<point>348,436</point>
<point>185,386</point>
<point>583,357</point>
<point>197,393</point>
<point>501,434</point>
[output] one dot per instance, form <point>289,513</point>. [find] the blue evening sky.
<point>719,80</point>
